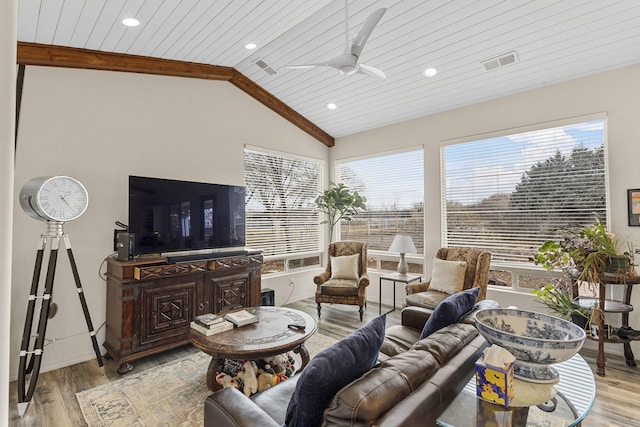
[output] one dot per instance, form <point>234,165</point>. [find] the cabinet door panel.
<point>167,309</point>
<point>230,292</point>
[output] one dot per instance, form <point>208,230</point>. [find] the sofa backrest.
<point>378,392</point>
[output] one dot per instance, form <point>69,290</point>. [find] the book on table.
<point>241,318</point>
<point>219,327</point>
<point>208,320</point>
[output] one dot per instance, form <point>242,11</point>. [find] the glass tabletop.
<point>574,396</point>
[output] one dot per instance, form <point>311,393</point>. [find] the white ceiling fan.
<point>348,62</point>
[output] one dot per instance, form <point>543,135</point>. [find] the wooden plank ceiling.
<point>553,41</point>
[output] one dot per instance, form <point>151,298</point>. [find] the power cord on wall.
<point>102,275</point>
<point>292,285</point>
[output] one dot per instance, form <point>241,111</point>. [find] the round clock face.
<point>56,198</point>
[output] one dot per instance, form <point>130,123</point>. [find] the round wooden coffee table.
<point>268,337</point>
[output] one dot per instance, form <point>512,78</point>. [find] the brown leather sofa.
<point>413,383</point>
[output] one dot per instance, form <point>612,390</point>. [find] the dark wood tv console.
<point>151,303</point>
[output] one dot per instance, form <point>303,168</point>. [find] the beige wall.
<point>615,93</point>
<point>100,127</point>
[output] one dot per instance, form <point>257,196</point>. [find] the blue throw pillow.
<point>450,310</point>
<point>332,369</point>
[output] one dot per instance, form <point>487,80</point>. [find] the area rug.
<point>172,394</point>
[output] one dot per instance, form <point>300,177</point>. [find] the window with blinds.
<point>510,194</point>
<point>280,211</point>
<point>394,187</point>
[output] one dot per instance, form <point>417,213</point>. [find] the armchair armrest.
<point>413,288</point>
<point>321,278</point>
<point>363,281</point>
<point>229,407</point>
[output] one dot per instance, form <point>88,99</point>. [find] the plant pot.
<point>616,265</point>
<point>579,320</point>
<point>608,330</point>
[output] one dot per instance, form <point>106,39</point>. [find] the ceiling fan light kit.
<point>348,62</point>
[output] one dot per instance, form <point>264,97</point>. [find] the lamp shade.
<point>403,244</point>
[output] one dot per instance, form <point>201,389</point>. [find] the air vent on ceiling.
<point>500,61</point>
<point>267,69</point>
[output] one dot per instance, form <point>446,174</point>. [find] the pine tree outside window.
<point>509,194</point>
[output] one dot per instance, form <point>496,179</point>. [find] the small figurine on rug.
<point>265,380</point>
<point>249,377</point>
<point>226,380</point>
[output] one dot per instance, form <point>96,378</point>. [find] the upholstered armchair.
<point>346,278</point>
<point>455,269</point>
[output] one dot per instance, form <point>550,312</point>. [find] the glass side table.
<point>395,277</point>
<point>575,393</point>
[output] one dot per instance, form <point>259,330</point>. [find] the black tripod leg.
<point>83,301</point>
<point>28,322</point>
<point>36,354</point>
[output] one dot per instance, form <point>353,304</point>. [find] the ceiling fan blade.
<point>361,37</point>
<point>305,66</point>
<point>371,71</point>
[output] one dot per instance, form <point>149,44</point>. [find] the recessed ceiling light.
<point>250,46</point>
<point>131,22</point>
<point>331,106</point>
<point>430,72</point>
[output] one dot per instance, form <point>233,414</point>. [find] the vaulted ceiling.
<point>552,41</point>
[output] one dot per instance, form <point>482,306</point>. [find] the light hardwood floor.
<point>54,403</point>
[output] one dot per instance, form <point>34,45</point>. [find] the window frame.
<point>385,255</point>
<point>526,268</point>
<point>289,257</point>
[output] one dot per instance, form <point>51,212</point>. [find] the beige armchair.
<point>476,275</point>
<point>341,288</point>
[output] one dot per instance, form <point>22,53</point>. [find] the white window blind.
<point>280,191</point>
<point>394,187</point>
<point>510,194</point>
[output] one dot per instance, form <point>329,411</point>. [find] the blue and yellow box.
<point>493,383</point>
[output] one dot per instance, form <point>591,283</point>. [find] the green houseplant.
<point>559,299</point>
<point>338,203</point>
<point>585,254</point>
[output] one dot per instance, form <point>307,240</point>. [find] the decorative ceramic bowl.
<point>536,340</point>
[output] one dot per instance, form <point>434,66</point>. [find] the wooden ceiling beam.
<point>70,57</point>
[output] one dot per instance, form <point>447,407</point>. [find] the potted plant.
<point>559,299</point>
<point>585,254</point>
<point>338,203</point>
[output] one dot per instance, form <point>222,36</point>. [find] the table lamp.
<point>403,244</point>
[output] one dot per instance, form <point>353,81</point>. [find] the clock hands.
<point>65,200</point>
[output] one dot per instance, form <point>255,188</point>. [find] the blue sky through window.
<point>388,180</point>
<point>470,179</point>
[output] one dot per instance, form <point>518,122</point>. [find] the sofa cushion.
<point>450,310</point>
<point>398,339</point>
<point>447,342</point>
<point>341,287</point>
<point>345,267</point>
<point>447,276</point>
<point>427,299</point>
<point>332,369</point>
<point>367,398</point>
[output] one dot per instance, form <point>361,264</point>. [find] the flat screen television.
<point>169,216</point>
